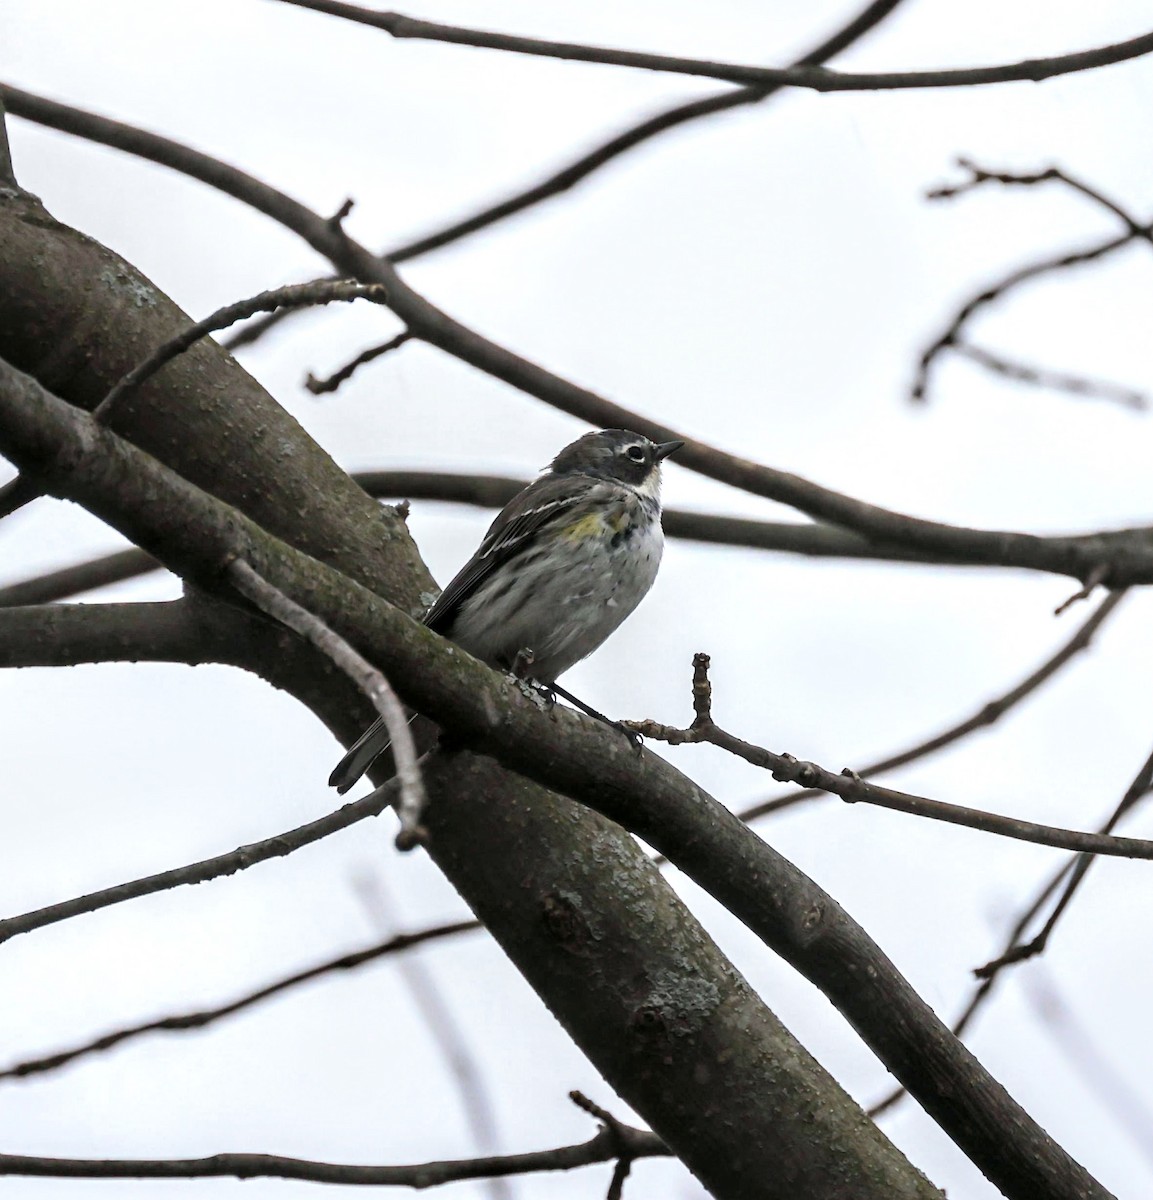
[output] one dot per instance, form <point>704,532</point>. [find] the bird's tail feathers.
<point>363,753</point>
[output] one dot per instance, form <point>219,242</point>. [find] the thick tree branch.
<point>1118,557</point>
<point>208,1016</point>
<point>173,631</point>
<point>819,79</point>
<point>80,317</point>
<point>197,536</point>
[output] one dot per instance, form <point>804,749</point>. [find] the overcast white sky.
<point>764,281</point>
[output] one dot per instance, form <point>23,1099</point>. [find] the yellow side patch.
<point>586,527</point>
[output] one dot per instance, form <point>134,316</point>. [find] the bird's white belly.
<point>562,605</point>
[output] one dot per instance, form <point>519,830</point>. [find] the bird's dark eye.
<point>636,453</point>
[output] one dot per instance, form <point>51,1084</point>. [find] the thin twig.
<point>988,714</point>
<point>297,295</point>
<point>1015,948</point>
<point>581,168</point>
<point>20,491</point>
<point>951,337</point>
<point>603,1147</point>
<point>819,79</point>
<point>319,386</point>
<point>239,859</point>
<point>850,786</point>
<point>1094,581</point>
<point>618,1130</point>
<point>978,176</point>
<point>371,681</point>
<point>207,1016</point>
<point>1057,381</point>
<point>1140,787</point>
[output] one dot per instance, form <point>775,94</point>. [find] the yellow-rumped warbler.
<point>563,564</point>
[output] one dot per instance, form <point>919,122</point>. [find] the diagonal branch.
<point>208,1016</point>
<point>239,859</point>
<point>1058,381</point>
<point>988,714</point>
<point>1115,558</point>
<point>1016,949</point>
<point>581,168</point>
<point>819,79</point>
<point>852,788</point>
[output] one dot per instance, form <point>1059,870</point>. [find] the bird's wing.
<point>546,500</point>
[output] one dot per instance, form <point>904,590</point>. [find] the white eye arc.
<point>636,453</point>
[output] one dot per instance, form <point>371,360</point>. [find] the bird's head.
<point>617,455</point>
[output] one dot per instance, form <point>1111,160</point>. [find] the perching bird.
<point>564,563</point>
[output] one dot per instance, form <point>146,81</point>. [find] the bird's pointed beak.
<point>664,449</point>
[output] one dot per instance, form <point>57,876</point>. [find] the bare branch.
<point>620,1132</point>
<point>320,386</point>
<point>1126,555</point>
<point>996,291</point>
<point>979,176</point>
<point>1016,949</point>
<point>581,168</point>
<point>321,291</point>
<point>986,715</point>
<point>1058,381</point>
<point>457,1054</point>
<point>1075,1039</point>
<point>207,1016</point>
<point>372,682</point>
<point>852,788</point>
<point>1140,787</point>
<point>239,859</point>
<point>297,295</point>
<point>819,79</point>
<point>65,635</point>
<point>603,1147</point>
<point>494,491</point>
<point>951,337</point>
<point>74,580</point>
